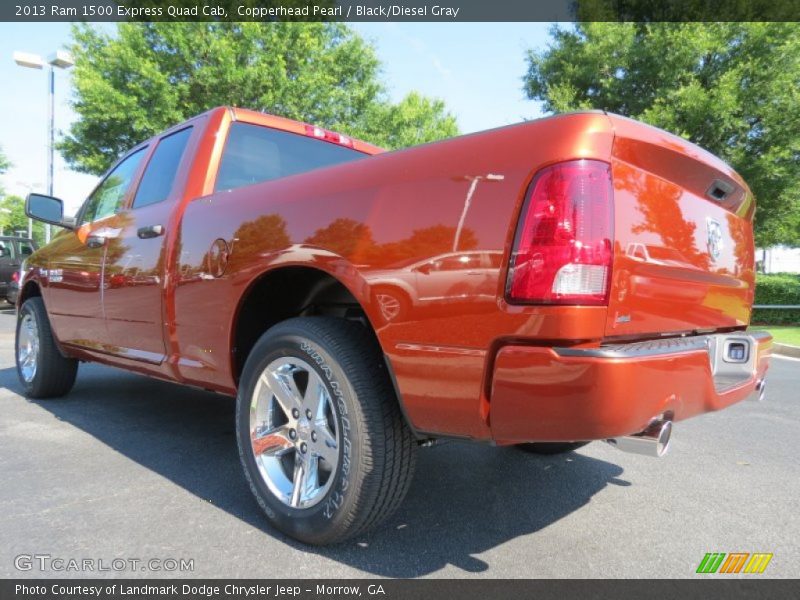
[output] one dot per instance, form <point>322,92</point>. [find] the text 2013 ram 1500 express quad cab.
<point>581,277</point>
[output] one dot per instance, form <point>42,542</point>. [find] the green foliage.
<point>414,120</point>
<point>13,219</point>
<point>733,88</point>
<point>779,288</point>
<point>150,76</point>
<point>4,164</point>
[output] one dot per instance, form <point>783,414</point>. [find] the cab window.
<point>161,169</point>
<point>107,198</point>
<point>254,154</point>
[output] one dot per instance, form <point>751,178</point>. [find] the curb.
<point>786,350</point>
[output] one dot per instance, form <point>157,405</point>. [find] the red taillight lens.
<point>562,252</point>
<point>15,276</point>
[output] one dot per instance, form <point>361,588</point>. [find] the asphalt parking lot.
<point>127,467</point>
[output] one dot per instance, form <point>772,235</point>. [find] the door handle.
<point>151,231</point>
<point>96,241</point>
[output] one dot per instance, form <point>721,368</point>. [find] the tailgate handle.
<point>151,231</point>
<point>719,190</point>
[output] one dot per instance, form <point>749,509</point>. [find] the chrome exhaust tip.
<point>761,390</point>
<point>653,441</point>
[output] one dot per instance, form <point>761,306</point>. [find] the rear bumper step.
<point>544,394</point>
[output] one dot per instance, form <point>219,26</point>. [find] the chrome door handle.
<point>96,241</point>
<point>151,231</point>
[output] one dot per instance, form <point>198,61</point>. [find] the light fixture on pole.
<point>60,59</point>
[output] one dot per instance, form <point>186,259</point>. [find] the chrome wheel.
<point>294,433</point>
<point>28,347</point>
<point>389,305</point>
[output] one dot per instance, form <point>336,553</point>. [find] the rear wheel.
<point>550,448</point>
<point>43,371</point>
<point>321,437</point>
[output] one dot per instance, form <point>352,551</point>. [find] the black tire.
<point>376,449</point>
<point>54,374</point>
<point>551,448</point>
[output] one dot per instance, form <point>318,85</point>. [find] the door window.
<point>460,262</point>
<point>161,169</point>
<point>25,248</point>
<point>107,198</point>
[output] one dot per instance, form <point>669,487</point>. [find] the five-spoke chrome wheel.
<point>389,305</point>
<point>294,432</point>
<point>28,347</point>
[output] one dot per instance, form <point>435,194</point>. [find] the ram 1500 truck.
<point>580,277</point>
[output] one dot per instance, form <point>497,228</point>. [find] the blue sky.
<point>476,68</point>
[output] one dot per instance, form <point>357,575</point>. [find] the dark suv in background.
<point>13,250</point>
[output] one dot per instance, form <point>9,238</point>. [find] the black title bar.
<point>400,10</point>
<point>711,588</point>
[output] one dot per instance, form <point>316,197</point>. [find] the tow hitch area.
<point>733,359</point>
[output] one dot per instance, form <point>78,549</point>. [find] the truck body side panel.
<point>371,220</point>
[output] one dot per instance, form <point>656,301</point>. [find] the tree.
<point>153,75</point>
<point>732,88</point>
<point>13,219</point>
<point>414,120</point>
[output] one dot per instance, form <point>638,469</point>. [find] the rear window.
<point>6,249</point>
<point>254,154</point>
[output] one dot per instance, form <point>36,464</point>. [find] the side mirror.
<point>425,269</point>
<point>46,209</point>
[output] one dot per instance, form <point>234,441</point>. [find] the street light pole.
<point>51,118</point>
<point>62,60</point>
<point>30,187</point>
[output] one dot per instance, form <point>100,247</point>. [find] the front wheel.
<point>324,446</point>
<point>43,371</point>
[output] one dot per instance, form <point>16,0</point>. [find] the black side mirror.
<point>46,209</point>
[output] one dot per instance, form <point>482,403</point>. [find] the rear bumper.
<point>565,394</point>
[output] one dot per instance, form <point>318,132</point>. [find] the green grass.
<point>783,334</point>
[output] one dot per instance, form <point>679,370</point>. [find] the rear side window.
<point>161,170</point>
<point>254,154</point>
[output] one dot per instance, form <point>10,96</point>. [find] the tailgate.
<point>684,256</point>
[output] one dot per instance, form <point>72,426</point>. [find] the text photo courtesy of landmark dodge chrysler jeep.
<point>581,277</point>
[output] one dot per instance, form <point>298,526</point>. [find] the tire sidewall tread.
<point>377,447</point>
<point>55,373</point>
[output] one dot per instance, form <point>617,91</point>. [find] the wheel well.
<point>30,290</point>
<point>285,293</point>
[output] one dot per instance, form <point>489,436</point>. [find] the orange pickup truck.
<point>581,277</point>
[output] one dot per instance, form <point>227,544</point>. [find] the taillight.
<point>15,276</point>
<point>563,247</point>
<point>328,136</point>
